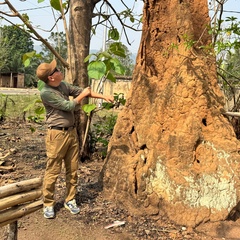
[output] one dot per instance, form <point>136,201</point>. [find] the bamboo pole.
<point>11,215</point>
<point>20,187</point>
<point>233,114</point>
<point>19,198</point>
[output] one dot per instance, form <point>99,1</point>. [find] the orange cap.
<point>45,69</point>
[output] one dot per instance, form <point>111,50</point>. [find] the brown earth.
<point>28,155</point>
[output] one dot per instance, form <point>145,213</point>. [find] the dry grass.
<point>15,105</point>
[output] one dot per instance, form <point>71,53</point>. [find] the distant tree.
<point>3,53</point>
<point>13,44</point>
<point>59,42</point>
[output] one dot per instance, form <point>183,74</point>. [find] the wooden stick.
<point>233,114</point>
<point>12,231</point>
<point>19,199</point>
<point>11,215</point>
<point>8,222</point>
<point>7,168</point>
<point>22,186</point>
<point>8,153</point>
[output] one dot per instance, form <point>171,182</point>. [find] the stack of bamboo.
<point>19,199</point>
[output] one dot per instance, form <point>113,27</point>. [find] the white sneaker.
<point>72,206</point>
<point>48,212</point>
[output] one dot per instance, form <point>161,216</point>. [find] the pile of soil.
<point>26,151</point>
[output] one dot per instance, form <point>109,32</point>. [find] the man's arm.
<point>98,95</point>
<point>87,92</point>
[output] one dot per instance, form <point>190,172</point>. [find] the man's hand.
<point>109,98</point>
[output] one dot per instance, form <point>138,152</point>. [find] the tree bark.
<point>172,151</point>
<point>80,31</point>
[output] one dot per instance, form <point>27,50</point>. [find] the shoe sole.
<point>49,217</point>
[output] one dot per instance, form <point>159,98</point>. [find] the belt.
<point>62,128</point>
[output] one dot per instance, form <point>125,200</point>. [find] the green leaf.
<point>93,31</point>
<point>26,62</point>
<point>111,77</point>
<point>40,110</point>
<point>104,54</point>
<point>113,34</point>
<point>25,17</point>
<point>122,101</point>
<point>28,55</point>
<point>39,1</point>
<point>118,67</point>
<point>117,49</point>
<point>88,108</point>
<point>55,4</point>
<point>86,59</point>
<point>41,84</point>
<point>96,69</point>
<point>27,58</point>
<point>132,19</point>
<point>107,105</point>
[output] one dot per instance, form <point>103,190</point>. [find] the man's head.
<point>45,70</point>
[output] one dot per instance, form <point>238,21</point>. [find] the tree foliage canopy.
<point>13,44</point>
<point>58,41</point>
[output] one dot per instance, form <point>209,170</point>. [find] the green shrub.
<point>101,132</point>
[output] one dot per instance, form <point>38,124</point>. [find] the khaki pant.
<point>60,145</point>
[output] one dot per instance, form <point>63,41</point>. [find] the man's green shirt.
<point>59,108</point>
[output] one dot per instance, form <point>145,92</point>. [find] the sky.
<point>231,8</point>
<point>41,16</point>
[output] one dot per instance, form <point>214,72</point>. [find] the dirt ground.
<point>27,152</point>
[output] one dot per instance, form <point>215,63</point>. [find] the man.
<point>61,140</point>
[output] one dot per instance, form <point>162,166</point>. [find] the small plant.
<point>119,99</point>
<point>188,41</point>
<point>102,130</point>
<point>4,100</point>
<point>38,109</point>
<point>101,133</point>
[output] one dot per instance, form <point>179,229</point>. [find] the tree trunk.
<point>80,32</point>
<point>172,151</point>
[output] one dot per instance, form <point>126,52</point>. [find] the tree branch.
<point>15,25</point>
<point>9,15</point>
<point>220,5</point>
<point>120,20</point>
<point>39,37</point>
<point>106,17</point>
